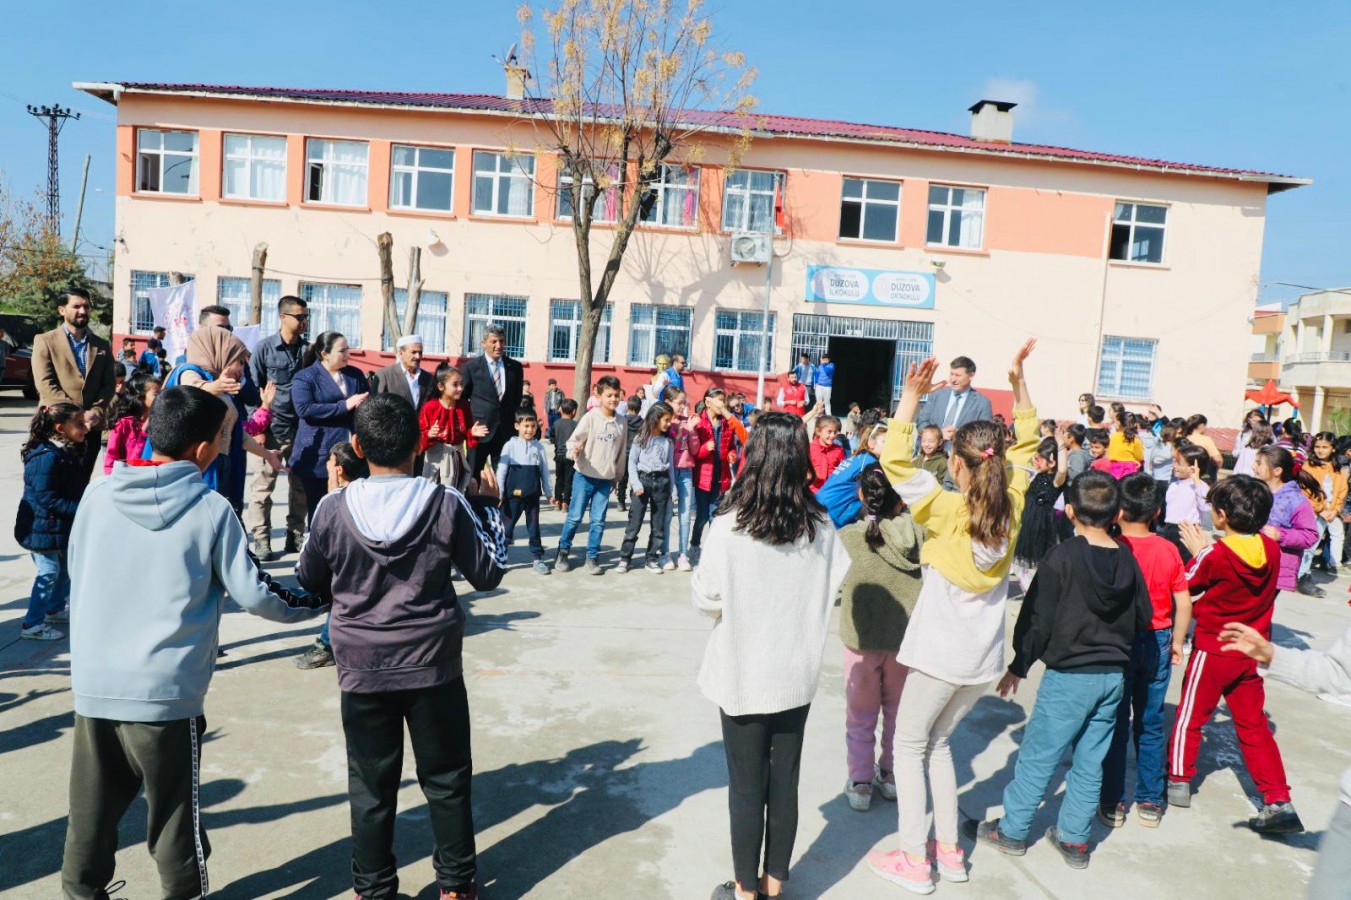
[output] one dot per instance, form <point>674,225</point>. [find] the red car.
<point>18,333</point>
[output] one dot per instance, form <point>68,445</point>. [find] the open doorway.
<point>864,368</point>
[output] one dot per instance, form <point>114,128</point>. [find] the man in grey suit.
<point>953,406</point>
<point>406,377</point>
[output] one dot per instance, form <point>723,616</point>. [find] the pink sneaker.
<point>951,865</point>
<point>897,868</point>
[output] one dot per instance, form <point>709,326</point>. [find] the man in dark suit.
<point>71,364</point>
<point>406,377</point>
<point>493,385</point>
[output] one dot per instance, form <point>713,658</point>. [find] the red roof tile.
<point>787,126</point>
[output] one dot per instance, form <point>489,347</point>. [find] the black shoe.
<point>727,891</point>
<point>988,833</point>
<point>1306,587</point>
<point>1075,854</point>
<point>1276,818</point>
<point>107,893</point>
<point>292,544</point>
<point>317,657</point>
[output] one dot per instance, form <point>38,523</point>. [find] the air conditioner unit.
<point>751,247</point>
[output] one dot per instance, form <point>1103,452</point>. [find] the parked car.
<point>19,332</point>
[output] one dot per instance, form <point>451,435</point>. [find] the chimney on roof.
<point>992,120</point>
<point>518,76</point>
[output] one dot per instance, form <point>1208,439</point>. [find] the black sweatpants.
<point>110,763</point>
<point>438,725</point>
<point>563,469</point>
<point>764,755</point>
<point>656,496</point>
<point>528,507</point>
<point>315,489</point>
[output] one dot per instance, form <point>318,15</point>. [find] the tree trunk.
<point>591,309</point>
<point>256,285</point>
<point>414,290</point>
<point>384,246</point>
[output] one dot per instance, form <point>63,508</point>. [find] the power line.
<point>56,118</point>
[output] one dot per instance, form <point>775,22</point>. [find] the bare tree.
<point>627,85</point>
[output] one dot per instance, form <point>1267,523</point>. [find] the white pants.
<point>823,396</point>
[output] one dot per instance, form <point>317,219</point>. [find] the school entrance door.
<point>870,355</point>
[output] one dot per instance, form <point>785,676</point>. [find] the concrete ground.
<point>599,766</point>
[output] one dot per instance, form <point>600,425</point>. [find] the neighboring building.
<point>1137,275</point>
<point>1268,323</point>
<point>1315,350</point>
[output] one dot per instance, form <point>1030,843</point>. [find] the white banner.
<point>249,334</point>
<point>175,310</point>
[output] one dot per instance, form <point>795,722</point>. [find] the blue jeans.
<point>1074,710</point>
<point>1145,687</point>
<point>705,505</point>
<point>323,632</point>
<point>51,587</point>
<point>587,493</point>
<point>680,509</point>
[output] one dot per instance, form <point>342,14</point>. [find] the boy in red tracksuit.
<point>1236,582</point>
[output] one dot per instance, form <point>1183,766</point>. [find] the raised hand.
<point>1016,369</point>
<point>269,394</point>
<point>919,378</point>
<point>480,430</point>
<point>1194,537</point>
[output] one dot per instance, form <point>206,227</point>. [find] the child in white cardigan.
<point>769,575</point>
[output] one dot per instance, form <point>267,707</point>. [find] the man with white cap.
<point>406,377</point>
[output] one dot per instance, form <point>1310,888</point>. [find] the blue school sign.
<point>870,287</point>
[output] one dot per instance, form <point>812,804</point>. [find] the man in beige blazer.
<point>73,365</point>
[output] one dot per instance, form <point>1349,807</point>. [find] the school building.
<point>879,244</point>
<point>1306,349</point>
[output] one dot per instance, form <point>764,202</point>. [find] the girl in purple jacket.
<point>1291,523</point>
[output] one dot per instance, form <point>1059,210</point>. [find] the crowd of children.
<point>1103,524</point>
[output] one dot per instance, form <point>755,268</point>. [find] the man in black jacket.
<point>493,385</point>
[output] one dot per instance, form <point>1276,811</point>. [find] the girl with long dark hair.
<point>651,467</point>
<point>769,576</point>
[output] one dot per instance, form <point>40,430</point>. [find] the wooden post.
<point>384,246</point>
<point>256,284</point>
<point>414,290</point>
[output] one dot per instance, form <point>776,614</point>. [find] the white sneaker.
<point>859,794</point>
<point>884,783</point>
<point>41,632</point>
<point>668,564</point>
<point>621,567</point>
<point>684,564</point>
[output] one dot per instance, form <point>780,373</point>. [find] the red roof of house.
<point>786,126</point>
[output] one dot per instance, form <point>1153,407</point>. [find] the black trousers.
<point>315,489</point>
<point>530,509</point>
<point>89,453</point>
<point>563,469</point>
<point>764,756</point>
<point>110,763</point>
<point>438,726</point>
<point>488,451</point>
<point>656,496</point>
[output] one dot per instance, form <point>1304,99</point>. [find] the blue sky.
<point>1237,83</point>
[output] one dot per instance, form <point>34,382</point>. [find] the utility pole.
<point>79,207</point>
<point>56,118</point>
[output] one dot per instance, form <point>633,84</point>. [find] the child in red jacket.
<point>826,454</point>
<point>1236,582</point>
<point>444,422</point>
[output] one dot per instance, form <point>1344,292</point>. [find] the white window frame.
<point>566,315</point>
<point>660,188</point>
<point>433,320</point>
<point>739,182</point>
<point>513,166</point>
<point>327,164</point>
<point>142,314</point>
<point>746,323</point>
<point>413,173</point>
<point>236,295</point>
<point>503,310</point>
<point>250,158</point>
<point>564,190</point>
<point>1131,222</point>
<point>1113,366</point>
<point>653,313</point>
<point>331,305</point>
<point>192,158</point>
<point>948,209</point>
<point>865,202</point>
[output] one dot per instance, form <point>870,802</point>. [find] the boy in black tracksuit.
<point>560,432</point>
<point>384,548</point>
<point>633,422</point>
<point>1083,609</point>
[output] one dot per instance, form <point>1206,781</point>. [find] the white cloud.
<point>1031,113</point>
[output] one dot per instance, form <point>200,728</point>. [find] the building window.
<point>504,184</point>
<point>870,210</point>
<point>607,207</point>
<point>432,307</point>
<point>235,294</point>
<point>565,328</point>
<point>336,172</point>
<point>255,168</point>
<point>655,330</point>
<point>166,162</point>
<point>737,341</point>
<point>956,216</point>
<point>421,178</point>
<point>750,201</point>
<point>1126,368</point>
<point>333,307</point>
<point>674,199</point>
<point>1137,232</point>
<point>142,313</point>
<point>482,310</point>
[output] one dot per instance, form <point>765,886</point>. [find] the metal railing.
<point>1331,356</point>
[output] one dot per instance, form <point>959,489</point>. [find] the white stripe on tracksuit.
<point>1185,708</point>
<point>197,809</point>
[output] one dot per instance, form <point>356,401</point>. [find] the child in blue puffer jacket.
<point>54,479</point>
<point>839,494</point>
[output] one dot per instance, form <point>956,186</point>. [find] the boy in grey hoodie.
<point>142,660</point>
<point>384,548</point>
